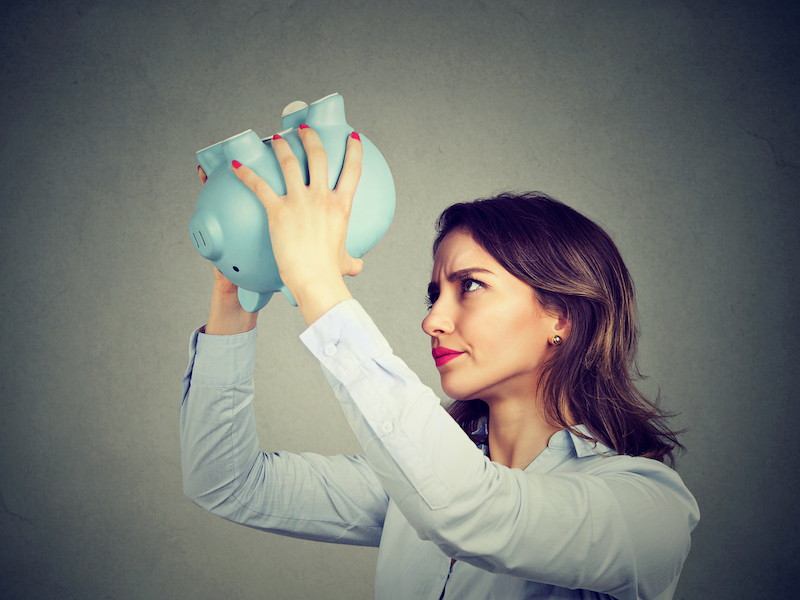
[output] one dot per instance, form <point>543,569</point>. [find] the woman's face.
<point>489,333</point>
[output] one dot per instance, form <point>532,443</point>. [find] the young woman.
<point>545,480</point>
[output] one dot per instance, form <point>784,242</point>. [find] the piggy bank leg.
<point>253,302</point>
<point>289,296</point>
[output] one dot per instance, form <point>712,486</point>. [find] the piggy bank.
<point>230,227</point>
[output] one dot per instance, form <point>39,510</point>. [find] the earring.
<point>556,340</point>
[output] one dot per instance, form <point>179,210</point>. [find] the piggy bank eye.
<point>236,269</point>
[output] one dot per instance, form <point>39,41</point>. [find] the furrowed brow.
<point>464,273</point>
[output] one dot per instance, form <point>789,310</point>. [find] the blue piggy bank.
<point>229,226</point>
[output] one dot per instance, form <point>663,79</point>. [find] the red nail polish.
<point>303,126</point>
<point>236,164</point>
<point>276,137</point>
<point>355,136</point>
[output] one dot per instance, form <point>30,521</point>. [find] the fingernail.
<point>303,126</point>
<point>236,164</point>
<point>276,137</point>
<point>198,168</point>
<point>355,136</point>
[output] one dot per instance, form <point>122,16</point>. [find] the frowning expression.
<point>489,333</point>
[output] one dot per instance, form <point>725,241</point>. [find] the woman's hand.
<point>308,226</point>
<point>226,316</point>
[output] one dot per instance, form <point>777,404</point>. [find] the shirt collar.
<point>561,439</point>
<point>587,447</point>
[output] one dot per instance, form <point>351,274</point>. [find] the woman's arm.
<point>334,499</point>
<point>618,525</point>
<point>226,316</point>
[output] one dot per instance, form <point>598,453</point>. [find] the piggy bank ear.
<point>253,301</point>
<point>294,115</point>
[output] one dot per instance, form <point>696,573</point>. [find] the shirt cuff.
<point>346,322</point>
<point>224,360</point>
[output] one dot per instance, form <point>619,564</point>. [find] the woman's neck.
<point>518,432</point>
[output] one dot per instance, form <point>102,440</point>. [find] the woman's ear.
<point>559,320</point>
<point>560,327</point>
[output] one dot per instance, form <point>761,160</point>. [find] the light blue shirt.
<point>578,522</point>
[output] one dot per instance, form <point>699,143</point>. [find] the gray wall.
<point>673,124</point>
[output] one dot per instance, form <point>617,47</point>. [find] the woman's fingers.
<point>351,170</point>
<point>317,168</point>
<point>256,184</point>
<point>317,157</point>
<point>290,166</point>
<point>353,266</point>
<point>202,175</point>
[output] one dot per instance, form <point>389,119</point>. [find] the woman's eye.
<point>430,300</point>
<point>470,285</point>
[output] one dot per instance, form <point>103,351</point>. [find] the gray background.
<point>673,124</point>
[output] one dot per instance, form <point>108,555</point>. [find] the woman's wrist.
<point>227,317</point>
<point>317,297</point>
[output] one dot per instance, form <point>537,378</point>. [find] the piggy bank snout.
<point>206,234</point>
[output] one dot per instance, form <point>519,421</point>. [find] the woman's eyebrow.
<point>433,287</point>
<point>462,273</point>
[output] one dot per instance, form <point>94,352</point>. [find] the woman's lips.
<point>443,356</point>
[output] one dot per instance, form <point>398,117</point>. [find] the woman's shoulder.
<point>634,481</point>
<point>595,459</point>
<point>641,466</point>
<point>630,477</point>
<point>592,456</point>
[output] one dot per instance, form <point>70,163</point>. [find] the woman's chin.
<point>458,392</point>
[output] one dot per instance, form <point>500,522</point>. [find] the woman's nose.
<point>437,322</point>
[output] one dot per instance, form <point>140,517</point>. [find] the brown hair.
<point>577,271</point>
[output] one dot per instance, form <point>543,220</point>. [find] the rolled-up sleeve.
<point>593,530</point>
<point>325,498</point>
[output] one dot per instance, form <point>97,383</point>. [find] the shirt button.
<point>387,427</point>
<point>330,350</point>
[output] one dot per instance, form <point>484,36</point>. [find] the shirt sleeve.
<point>621,528</point>
<point>324,498</point>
